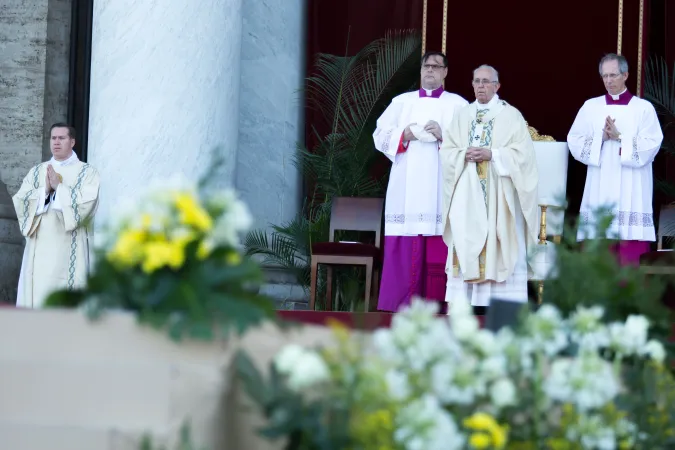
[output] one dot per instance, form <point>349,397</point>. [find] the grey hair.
<point>485,66</point>
<point>623,63</point>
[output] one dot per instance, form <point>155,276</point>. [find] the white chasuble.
<point>414,193</point>
<point>490,208</point>
<point>57,251</point>
<point>619,175</point>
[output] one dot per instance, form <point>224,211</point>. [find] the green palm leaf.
<point>660,88</point>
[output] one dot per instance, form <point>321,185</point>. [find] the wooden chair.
<point>666,223</point>
<point>350,214</point>
<point>661,262</point>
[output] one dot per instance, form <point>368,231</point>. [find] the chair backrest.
<point>552,160</point>
<point>666,224</point>
<point>357,214</point>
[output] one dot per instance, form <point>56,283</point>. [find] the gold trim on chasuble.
<point>485,141</point>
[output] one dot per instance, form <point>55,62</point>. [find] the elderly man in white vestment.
<point>490,185</point>
<point>53,205</point>
<point>617,135</point>
<point>409,133</point>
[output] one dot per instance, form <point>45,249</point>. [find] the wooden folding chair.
<point>350,214</point>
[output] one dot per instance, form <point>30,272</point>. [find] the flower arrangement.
<point>173,256</point>
<point>432,383</point>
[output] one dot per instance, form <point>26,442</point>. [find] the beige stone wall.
<point>33,81</point>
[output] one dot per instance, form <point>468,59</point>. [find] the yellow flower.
<point>485,422</point>
<point>163,253</point>
<point>233,258</point>
<point>339,329</point>
<point>191,213</point>
<point>373,429</point>
<point>479,441</point>
<point>128,249</point>
<point>480,421</point>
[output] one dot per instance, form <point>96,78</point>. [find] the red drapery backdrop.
<point>547,53</point>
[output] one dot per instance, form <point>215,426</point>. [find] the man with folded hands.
<point>409,134</point>
<point>490,182</point>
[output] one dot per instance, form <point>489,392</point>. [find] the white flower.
<point>586,381</point>
<point>654,349</point>
<point>468,383</point>
<point>546,328</point>
<point>304,368</point>
<point>383,342</point>
<point>234,220</point>
<point>287,359</point>
<point>440,380</point>
<point>629,338</point>
<point>397,384</point>
<point>494,366</point>
<point>503,393</point>
<point>462,320</point>
<point>592,433</point>
<point>587,329</point>
<point>484,342</point>
<point>424,425</point>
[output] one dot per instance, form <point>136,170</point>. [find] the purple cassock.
<point>413,265</point>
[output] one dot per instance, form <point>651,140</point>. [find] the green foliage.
<point>588,274</point>
<point>202,300</point>
<point>350,93</point>
<point>656,401</point>
<point>289,245</point>
<point>307,424</point>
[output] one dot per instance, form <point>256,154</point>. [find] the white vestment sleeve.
<point>387,135</point>
<point>497,163</point>
<point>640,150</point>
<point>41,207</point>
<point>55,202</point>
<point>585,139</point>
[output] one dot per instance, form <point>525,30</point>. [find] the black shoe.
<point>479,310</point>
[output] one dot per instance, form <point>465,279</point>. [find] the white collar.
<point>71,160</point>
<point>493,101</point>
<point>616,97</point>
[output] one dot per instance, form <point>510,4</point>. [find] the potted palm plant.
<point>348,93</point>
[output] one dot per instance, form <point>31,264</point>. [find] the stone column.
<point>164,91</point>
<point>271,109</point>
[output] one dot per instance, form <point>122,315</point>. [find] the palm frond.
<point>665,186</point>
<point>660,87</point>
<point>349,90</point>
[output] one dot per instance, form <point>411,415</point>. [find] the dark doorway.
<point>80,69</point>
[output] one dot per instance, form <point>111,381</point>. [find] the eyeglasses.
<point>610,76</point>
<point>478,82</point>
<point>432,66</point>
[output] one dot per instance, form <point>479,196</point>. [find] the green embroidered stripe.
<point>26,198</point>
<point>73,234</point>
